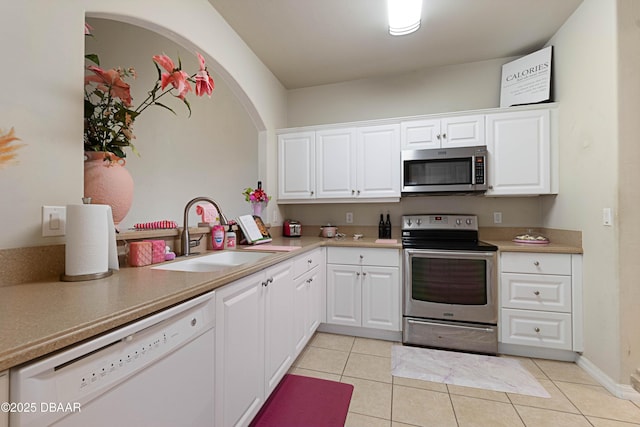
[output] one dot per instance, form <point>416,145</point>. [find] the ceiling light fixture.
<point>404,16</point>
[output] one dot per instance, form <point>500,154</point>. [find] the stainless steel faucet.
<point>186,241</point>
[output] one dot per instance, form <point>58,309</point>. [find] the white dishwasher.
<point>158,371</point>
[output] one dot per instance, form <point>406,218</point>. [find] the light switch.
<point>54,219</point>
<point>607,217</point>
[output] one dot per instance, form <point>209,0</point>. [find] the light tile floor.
<point>379,399</point>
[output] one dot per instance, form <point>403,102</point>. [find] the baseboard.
<point>378,334</point>
<point>622,391</point>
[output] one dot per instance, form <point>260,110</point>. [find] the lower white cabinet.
<point>253,342</point>
<point>262,323</point>
<point>239,387</point>
<point>541,300</point>
<point>4,397</point>
<point>278,323</point>
<point>363,287</point>
<point>309,298</point>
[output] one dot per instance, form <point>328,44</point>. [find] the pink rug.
<point>303,401</point>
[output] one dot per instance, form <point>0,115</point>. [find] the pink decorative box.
<point>140,254</point>
<point>157,250</point>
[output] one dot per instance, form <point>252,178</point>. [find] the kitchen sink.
<point>213,262</point>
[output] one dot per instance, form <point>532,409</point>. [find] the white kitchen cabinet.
<point>541,300</point>
<point>336,163</point>
<point>349,164</point>
<point>4,397</point>
<point>296,165</point>
<point>358,162</point>
<point>309,297</point>
<point>363,287</point>
<point>254,342</point>
<point>240,367</point>
<point>448,132</point>
<point>378,162</point>
<point>519,153</point>
<point>278,324</point>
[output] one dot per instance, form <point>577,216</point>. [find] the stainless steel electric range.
<point>450,284</point>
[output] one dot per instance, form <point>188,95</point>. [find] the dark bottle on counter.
<point>387,228</point>
<point>381,230</point>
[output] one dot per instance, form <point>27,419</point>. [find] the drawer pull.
<point>536,329</point>
<point>536,263</point>
<point>536,293</point>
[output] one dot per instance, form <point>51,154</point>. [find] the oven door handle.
<point>447,325</point>
<point>452,253</point>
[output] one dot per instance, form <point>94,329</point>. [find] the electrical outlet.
<point>349,218</point>
<point>54,220</point>
<point>497,217</point>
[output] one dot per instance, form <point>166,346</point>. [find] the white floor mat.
<point>469,370</point>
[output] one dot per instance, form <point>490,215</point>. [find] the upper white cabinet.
<point>348,164</point>
<point>297,165</point>
<point>519,146</point>
<point>336,163</point>
<point>448,132</point>
<point>378,161</point>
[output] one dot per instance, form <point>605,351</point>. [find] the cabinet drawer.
<point>364,256</point>
<point>306,262</point>
<point>537,263</point>
<point>536,292</point>
<point>536,328</point>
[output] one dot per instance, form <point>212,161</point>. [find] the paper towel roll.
<point>91,242</point>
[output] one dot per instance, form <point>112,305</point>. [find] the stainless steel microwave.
<point>445,170</point>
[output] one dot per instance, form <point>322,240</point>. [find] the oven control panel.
<point>440,222</point>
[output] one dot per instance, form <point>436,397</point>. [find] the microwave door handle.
<point>473,170</point>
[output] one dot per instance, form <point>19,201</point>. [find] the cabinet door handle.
<point>309,261</point>
<point>312,193</point>
<point>358,192</point>
<point>536,293</point>
<point>536,263</point>
<point>358,274</point>
<point>353,192</point>
<point>269,280</point>
<point>361,257</point>
<point>444,135</point>
<point>264,283</point>
<point>536,329</point>
<point>438,136</point>
<point>364,273</point>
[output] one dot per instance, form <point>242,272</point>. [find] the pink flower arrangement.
<point>108,106</point>
<point>257,195</point>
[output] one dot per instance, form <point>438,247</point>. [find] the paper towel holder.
<point>83,277</point>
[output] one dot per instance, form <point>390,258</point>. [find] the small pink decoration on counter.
<point>140,254</point>
<point>157,250</point>
<point>387,241</point>
<point>208,213</point>
<point>168,255</point>
<point>156,225</point>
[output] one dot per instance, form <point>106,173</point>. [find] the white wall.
<point>41,83</point>
<point>180,157</point>
<point>585,73</point>
<point>461,87</point>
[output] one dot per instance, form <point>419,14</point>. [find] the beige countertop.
<point>42,317</point>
